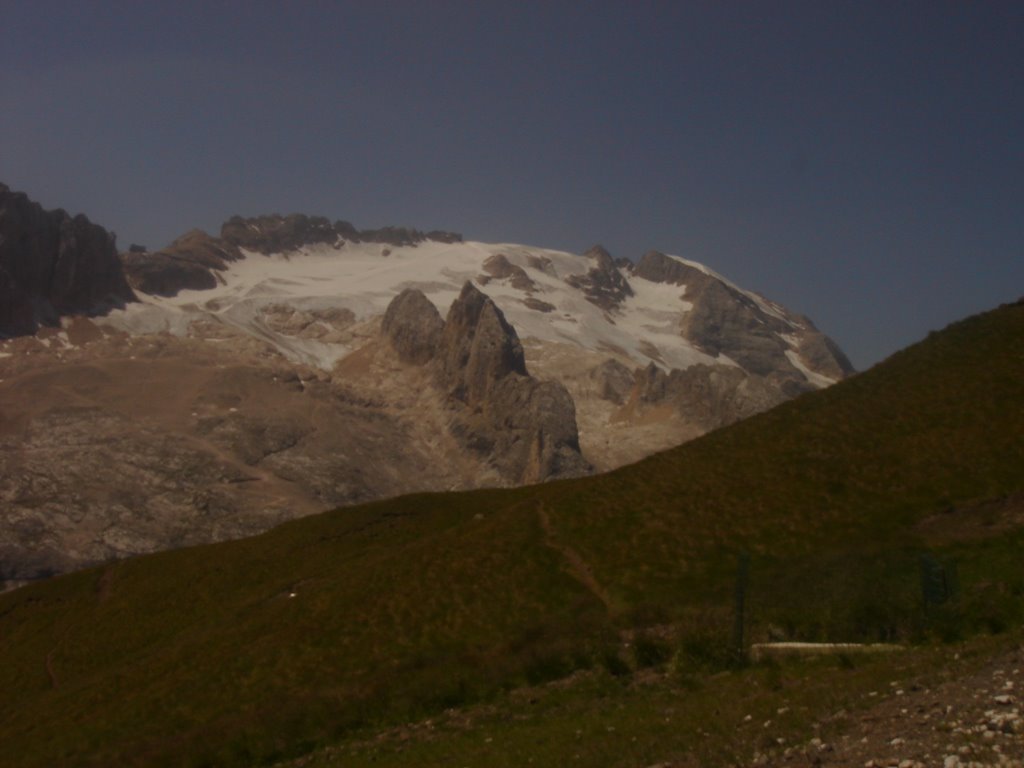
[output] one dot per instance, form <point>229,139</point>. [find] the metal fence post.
<point>742,578</point>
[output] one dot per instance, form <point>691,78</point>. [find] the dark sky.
<point>861,162</point>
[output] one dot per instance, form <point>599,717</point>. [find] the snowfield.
<point>363,278</point>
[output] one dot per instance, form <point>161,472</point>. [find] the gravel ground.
<point>969,721</point>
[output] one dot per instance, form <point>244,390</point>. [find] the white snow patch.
<point>817,379</point>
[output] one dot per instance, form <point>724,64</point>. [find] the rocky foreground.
<point>970,721</point>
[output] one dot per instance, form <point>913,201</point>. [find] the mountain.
<point>292,364</point>
<point>652,353</point>
<point>339,626</point>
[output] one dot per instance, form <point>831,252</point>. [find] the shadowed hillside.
<point>253,650</point>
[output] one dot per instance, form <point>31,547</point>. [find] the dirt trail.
<point>578,567</point>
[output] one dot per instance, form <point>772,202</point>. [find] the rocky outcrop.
<point>325,325</point>
<point>525,428</point>
<point>17,308</point>
<point>443,236</point>
<point>709,396</point>
<point>404,236</point>
<point>413,326</point>
<point>189,263</point>
<point>478,348</point>
<point>528,429</point>
<point>614,381</point>
<point>659,268</point>
<point>280,234</point>
<point>53,264</point>
<point>541,264</point>
<point>822,354</point>
<point>538,306</point>
<point>603,285</point>
<point>726,321</point>
<point>499,267</point>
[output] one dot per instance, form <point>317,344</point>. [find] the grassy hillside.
<point>254,650</point>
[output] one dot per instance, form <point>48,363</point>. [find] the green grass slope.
<point>250,651</point>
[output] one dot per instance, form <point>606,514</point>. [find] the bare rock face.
<point>659,268</point>
<point>280,234</point>
<point>413,326</point>
<point>189,263</point>
<point>823,354</point>
<point>17,308</point>
<point>710,396</point>
<point>541,264</point>
<point>531,426</point>
<point>528,427</point>
<point>53,265</point>
<point>603,285</point>
<point>478,348</point>
<point>615,381</point>
<point>499,267</point>
<point>525,428</point>
<point>726,321</point>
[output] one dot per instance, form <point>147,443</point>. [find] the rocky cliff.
<point>189,263</point>
<point>726,321</point>
<point>759,353</point>
<point>52,265</point>
<point>525,428</point>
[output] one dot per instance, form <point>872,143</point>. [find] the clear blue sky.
<point>861,162</point>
